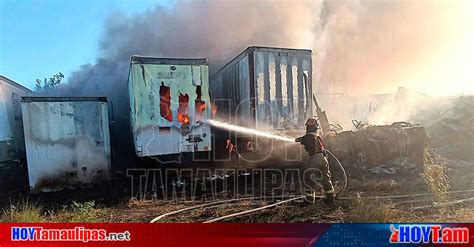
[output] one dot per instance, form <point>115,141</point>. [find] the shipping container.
<point>265,88</point>
<point>12,144</point>
<point>67,141</point>
<point>169,105</point>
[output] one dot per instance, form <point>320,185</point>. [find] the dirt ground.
<point>113,203</point>
<point>354,205</point>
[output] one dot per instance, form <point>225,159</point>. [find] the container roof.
<point>62,99</point>
<point>15,84</point>
<point>172,61</point>
<point>278,49</point>
<point>267,49</point>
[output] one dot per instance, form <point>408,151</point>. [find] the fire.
<point>183,118</point>
<point>183,109</point>
<point>200,107</point>
<point>165,102</point>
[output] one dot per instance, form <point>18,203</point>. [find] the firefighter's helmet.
<point>312,122</point>
<point>312,125</point>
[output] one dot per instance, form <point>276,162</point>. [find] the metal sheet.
<point>272,112</point>
<point>11,127</point>
<point>157,134</point>
<point>274,99</point>
<point>67,142</point>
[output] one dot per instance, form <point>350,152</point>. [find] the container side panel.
<point>105,135</point>
<point>260,90</point>
<point>284,100</point>
<point>244,86</point>
<point>301,97</point>
<point>277,94</point>
<point>92,154</point>
<point>5,131</point>
<point>66,144</point>
<point>158,114</point>
<point>12,144</point>
<point>278,85</point>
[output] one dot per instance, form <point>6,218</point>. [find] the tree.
<point>50,83</point>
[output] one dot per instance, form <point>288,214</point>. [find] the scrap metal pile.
<point>452,134</point>
<point>374,145</point>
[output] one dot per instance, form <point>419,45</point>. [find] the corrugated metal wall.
<point>265,84</point>
<point>281,91</point>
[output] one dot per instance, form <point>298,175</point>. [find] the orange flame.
<point>200,107</point>
<point>183,118</point>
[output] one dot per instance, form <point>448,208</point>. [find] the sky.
<point>366,46</point>
<point>39,38</point>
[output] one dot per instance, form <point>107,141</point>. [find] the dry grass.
<point>22,211</point>
<point>359,210</point>
<point>457,214</point>
<point>435,174</point>
<point>463,215</point>
<point>86,212</point>
<point>374,211</point>
<point>26,211</point>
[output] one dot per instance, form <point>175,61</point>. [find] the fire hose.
<point>254,198</point>
<point>344,174</point>
<point>254,210</point>
<point>217,203</point>
<point>293,198</point>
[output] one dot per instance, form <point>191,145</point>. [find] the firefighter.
<point>314,145</point>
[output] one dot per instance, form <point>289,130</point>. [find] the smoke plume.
<point>360,47</point>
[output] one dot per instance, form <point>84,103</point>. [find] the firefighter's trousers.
<point>319,161</point>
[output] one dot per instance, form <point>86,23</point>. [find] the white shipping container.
<point>169,105</point>
<point>67,141</point>
<point>11,129</point>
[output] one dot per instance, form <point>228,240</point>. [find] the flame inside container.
<point>183,118</point>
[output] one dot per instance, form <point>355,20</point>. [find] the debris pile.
<point>452,133</point>
<point>400,143</point>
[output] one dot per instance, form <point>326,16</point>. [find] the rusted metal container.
<point>264,88</point>
<point>67,141</point>
<point>169,105</point>
<point>12,144</point>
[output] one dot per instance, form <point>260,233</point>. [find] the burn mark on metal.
<point>289,86</point>
<point>143,74</point>
<point>151,98</point>
<point>266,87</point>
<point>164,129</point>
<point>200,105</point>
<point>165,102</point>
<point>278,86</point>
<point>252,93</point>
